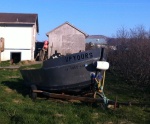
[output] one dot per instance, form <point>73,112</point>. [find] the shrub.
<point>131,60</point>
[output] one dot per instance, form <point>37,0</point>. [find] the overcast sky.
<point>94,17</point>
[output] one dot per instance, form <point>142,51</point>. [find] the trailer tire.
<point>41,55</point>
<point>102,105</point>
<point>33,95</point>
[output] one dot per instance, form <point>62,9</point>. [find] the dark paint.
<point>70,72</point>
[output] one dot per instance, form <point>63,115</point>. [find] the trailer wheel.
<point>41,55</point>
<point>102,105</point>
<point>32,94</point>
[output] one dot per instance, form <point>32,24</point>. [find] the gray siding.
<point>66,40</point>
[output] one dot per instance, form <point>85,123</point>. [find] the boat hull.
<point>67,73</point>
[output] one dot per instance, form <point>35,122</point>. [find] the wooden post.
<point>1,46</point>
<point>0,56</point>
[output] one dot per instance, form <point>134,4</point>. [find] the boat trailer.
<point>96,95</point>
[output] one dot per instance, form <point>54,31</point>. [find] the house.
<point>96,41</point>
<point>100,39</point>
<point>19,31</point>
<point>66,39</point>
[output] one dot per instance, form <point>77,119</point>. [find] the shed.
<point>19,31</point>
<point>66,39</point>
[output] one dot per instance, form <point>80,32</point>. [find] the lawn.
<point>17,108</point>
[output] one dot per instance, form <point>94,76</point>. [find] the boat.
<point>69,73</point>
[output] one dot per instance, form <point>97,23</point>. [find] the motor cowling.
<point>102,65</point>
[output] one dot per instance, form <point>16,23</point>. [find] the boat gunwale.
<point>71,63</point>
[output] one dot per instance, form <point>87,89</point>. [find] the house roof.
<point>96,37</point>
<point>68,24</point>
<point>19,18</point>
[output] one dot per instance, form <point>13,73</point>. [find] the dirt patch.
<point>27,62</point>
<point>95,115</point>
<point>13,77</point>
<point>59,115</point>
<point>17,101</point>
<point>8,90</point>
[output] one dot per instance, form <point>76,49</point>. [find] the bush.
<point>131,60</point>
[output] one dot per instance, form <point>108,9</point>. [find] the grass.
<point>5,63</point>
<point>17,108</point>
